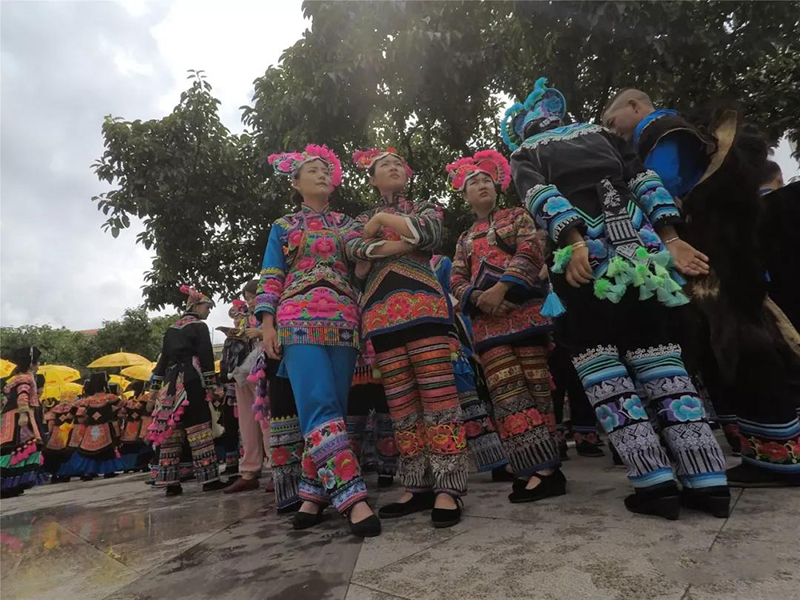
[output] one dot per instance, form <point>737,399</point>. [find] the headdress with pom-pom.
<point>490,162</point>
<point>238,309</point>
<point>289,163</point>
<point>195,297</point>
<point>364,159</point>
<point>542,102</point>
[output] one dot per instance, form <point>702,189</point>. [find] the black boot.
<point>419,502</point>
<point>447,517</point>
<point>713,500</point>
<point>749,476</point>
<point>660,500</point>
<point>587,445</point>
<point>551,485</point>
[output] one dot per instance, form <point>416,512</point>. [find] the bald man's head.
<point>624,111</point>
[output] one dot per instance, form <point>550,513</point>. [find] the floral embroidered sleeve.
<point>350,231</point>
<point>460,276</point>
<point>24,396</point>
<point>356,246</point>
<point>651,195</point>
<point>523,268</point>
<point>426,226</point>
<point>550,209</point>
<point>273,272</point>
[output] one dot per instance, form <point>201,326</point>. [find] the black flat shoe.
<point>292,508</point>
<point>369,527</point>
<point>551,485</point>
<point>661,501</point>
<point>304,520</point>
<point>174,490</point>
<point>748,476</point>
<point>418,503</point>
<point>446,517</point>
<point>385,481</point>
<point>213,486</point>
<point>589,447</point>
<point>713,500</point>
<point>500,474</point>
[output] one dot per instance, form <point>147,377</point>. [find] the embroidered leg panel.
<point>385,444</point>
<point>286,453</point>
<point>204,454</point>
<point>681,413</point>
<point>443,426</point>
<point>336,465</point>
<point>772,446</point>
<point>169,458</point>
<point>405,407</point>
<point>619,409</point>
<point>483,440</point>
<point>527,441</point>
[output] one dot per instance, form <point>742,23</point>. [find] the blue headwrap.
<point>542,102</point>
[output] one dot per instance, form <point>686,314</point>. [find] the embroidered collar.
<point>305,208</point>
<point>397,199</point>
<point>653,116</point>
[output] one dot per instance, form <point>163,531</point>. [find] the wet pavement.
<point>121,540</point>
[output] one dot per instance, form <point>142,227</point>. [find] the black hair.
<point>97,382</point>
<point>771,171</point>
<point>251,287</point>
<point>137,387</point>
<point>24,357</point>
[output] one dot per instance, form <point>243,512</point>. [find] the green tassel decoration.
<point>561,259</point>
<point>601,288</point>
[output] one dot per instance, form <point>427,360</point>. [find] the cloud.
<point>65,66</point>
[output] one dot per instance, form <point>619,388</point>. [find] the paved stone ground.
<point>121,540</point>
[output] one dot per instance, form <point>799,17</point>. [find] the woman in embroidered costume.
<point>182,385</point>
<point>253,433</point>
<point>495,277</point>
<point>309,308</point>
<point>21,450</point>
<point>608,220</point>
<point>60,421</point>
<point>135,420</point>
<point>97,448</point>
<point>407,318</point>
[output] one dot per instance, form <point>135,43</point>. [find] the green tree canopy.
<point>429,78</point>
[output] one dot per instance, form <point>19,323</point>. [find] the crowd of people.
<point>648,277</point>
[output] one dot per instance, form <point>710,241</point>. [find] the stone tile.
<point>500,559</point>
<point>745,570</point>
<point>260,558</point>
<point>359,592</point>
<point>45,561</point>
<point>765,514</point>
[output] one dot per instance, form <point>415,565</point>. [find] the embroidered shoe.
<point>747,476</point>
<point>419,502</point>
<point>714,500</point>
<point>660,500</point>
<point>551,485</point>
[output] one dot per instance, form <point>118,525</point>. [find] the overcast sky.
<point>66,64</point>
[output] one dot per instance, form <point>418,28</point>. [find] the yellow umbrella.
<point>216,366</point>
<point>128,395</point>
<point>6,367</point>
<point>58,373</point>
<point>140,372</point>
<point>59,391</point>
<point>119,380</point>
<point>119,359</point>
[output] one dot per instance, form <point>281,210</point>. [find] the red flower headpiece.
<point>364,159</point>
<point>490,162</point>
<point>289,163</point>
<point>195,297</point>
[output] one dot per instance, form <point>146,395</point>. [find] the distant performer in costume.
<point>612,244</point>
<point>182,385</point>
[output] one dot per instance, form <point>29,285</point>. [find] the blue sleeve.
<point>665,160</point>
<point>273,273</point>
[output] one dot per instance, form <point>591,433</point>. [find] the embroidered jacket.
<point>557,171</point>
<point>186,348</point>
<point>401,291</point>
<point>59,421</point>
<point>19,397</point>
<point>305,282</point>
<point>98,416</point>
<point>506,240</point>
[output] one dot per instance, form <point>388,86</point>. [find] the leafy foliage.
<point>429,78</point>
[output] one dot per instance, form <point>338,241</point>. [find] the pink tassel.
<point>185,403</point>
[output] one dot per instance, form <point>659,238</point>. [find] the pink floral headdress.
<point>195,297</point>
<point>490,162</point>
<point>289,163</point>
<point>364,159</point>
<point>238,309</point>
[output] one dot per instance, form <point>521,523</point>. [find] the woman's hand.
<point>688,261</point>
<point>491,300</point>
<point>363,267</point>
<point>579,271</point>
<point>252,333</point>
<point>373,226</point>
<point>272,345</point>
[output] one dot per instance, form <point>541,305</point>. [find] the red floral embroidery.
<point>316,439</point>
<point>774,451</point>
<point>513,425</point>
<point>387,446</point>
<point>409,443</point>
<point>345,466</point>
<point>323,247</point>
<point>746,445</point>
<point>534,417</point>
<point>280,456</point>
<point>309,468</point>
<point>447,438</point>
<point>474,429</point>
